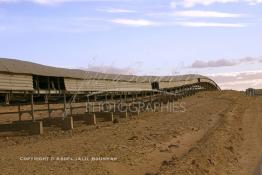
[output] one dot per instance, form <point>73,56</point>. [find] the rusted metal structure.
<point>253,92</point>
<point>19,79</point>
<point>26,83</point>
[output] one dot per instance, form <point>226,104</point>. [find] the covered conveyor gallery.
<point>26,83</point>
<point>21,77</point>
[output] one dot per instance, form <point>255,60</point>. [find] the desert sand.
<point>219,133</point>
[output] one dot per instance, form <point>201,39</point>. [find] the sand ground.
<point>219,133</point>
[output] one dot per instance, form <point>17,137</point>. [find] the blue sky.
<point>151,37</point>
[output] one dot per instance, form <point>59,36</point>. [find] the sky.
<point>221,39</point>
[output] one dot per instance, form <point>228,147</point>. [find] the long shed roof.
<point>15,66</point>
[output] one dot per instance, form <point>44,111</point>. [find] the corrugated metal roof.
<point>16,82</point>
<point>25,67</point>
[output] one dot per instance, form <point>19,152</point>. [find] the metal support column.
<point>19,111</point>
<point>32,107</point>
<point>65,115</point>
<point>48,107</point>
<point>7,99</point>
<point>125,97</point>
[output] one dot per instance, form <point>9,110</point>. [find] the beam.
<point>7,99</point>
<point>125,96</point>
<point>64,106</point>
<point>19,112</point>
<point>48,107</point>
<point>32,107</point>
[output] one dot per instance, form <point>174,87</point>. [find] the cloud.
<point>49,2</point>
<point>206,14</point>
<point>254,2</point>
<point>211,24</point>
<point>238,80</point>
<point>53,2</point>
<point>134,22</point>
<point>114,10</point>
<point>144,23</point>
<point>188,14</point>
<point>44,2</point>
<point>224,62</point>
<point>199,14</point>
<point>112,70</point>
<point>217,63</point>
<point>250,60</point>
<point>192,3</point>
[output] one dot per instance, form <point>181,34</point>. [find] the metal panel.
<point>24,67</point>
<point>16,82</point>
<point>258,91</point>
<point>207,80</point>
<point>103,85</point>
<point>173,84</point>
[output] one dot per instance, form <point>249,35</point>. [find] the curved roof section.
<point>25,67</point>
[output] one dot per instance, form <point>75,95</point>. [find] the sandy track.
<point>232,146</point>
<point>211,137</point>
<point>251,149</point>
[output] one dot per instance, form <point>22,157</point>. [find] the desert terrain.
<point>219,133</point>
